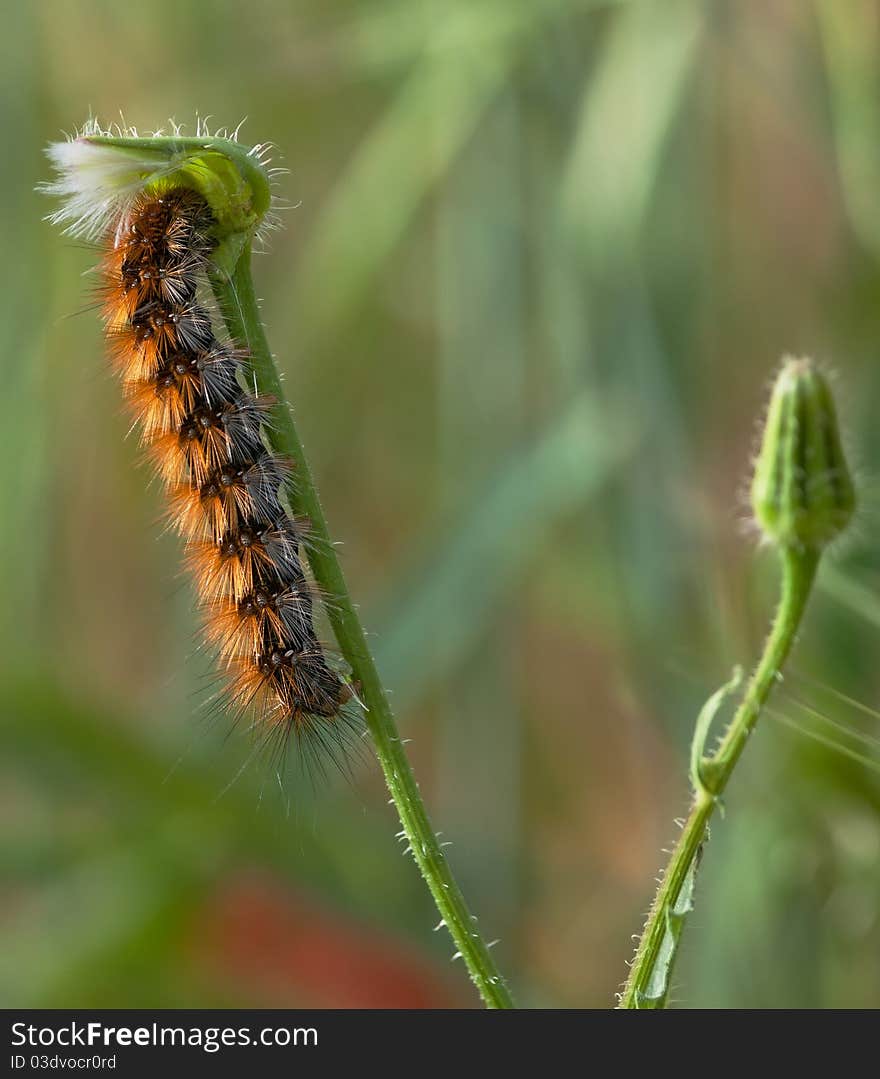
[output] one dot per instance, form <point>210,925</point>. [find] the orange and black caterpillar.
<point>204,432</point>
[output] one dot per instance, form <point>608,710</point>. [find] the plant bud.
<point>802,493</point>
<point>100,172</point>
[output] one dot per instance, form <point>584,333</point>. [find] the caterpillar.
<point>203,430</point>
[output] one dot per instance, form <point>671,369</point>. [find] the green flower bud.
<point>99,172</point>
<point>802,492</point>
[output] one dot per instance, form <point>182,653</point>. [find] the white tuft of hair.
<point>96,183</point>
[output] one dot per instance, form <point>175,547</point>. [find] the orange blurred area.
<point>278,949</point>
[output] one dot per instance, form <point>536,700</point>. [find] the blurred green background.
<point>541,261</point>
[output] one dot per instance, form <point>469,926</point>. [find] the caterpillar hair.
<point>204,432</point>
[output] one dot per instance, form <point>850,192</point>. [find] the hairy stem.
<point>642,988</point>
<point>238,304</point>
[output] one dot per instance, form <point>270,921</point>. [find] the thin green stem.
<point>238,304</point>
<point>798,573</point>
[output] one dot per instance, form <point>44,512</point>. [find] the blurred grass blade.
<point>629,104</point>
<point>454,590</point>
<point>467,57</point>
<point>850,593</point>
<point>413,144</point>
<point>851,41</point>
<point>27,294</point>
<point>68,750</point>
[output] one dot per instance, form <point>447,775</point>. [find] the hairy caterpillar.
<point>176,211</point>
<point>203,431</point>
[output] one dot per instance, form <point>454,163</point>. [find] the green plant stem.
<point>798,573</point>
<point>238,304</point>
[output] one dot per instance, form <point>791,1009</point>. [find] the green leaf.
<point>701,766</point>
